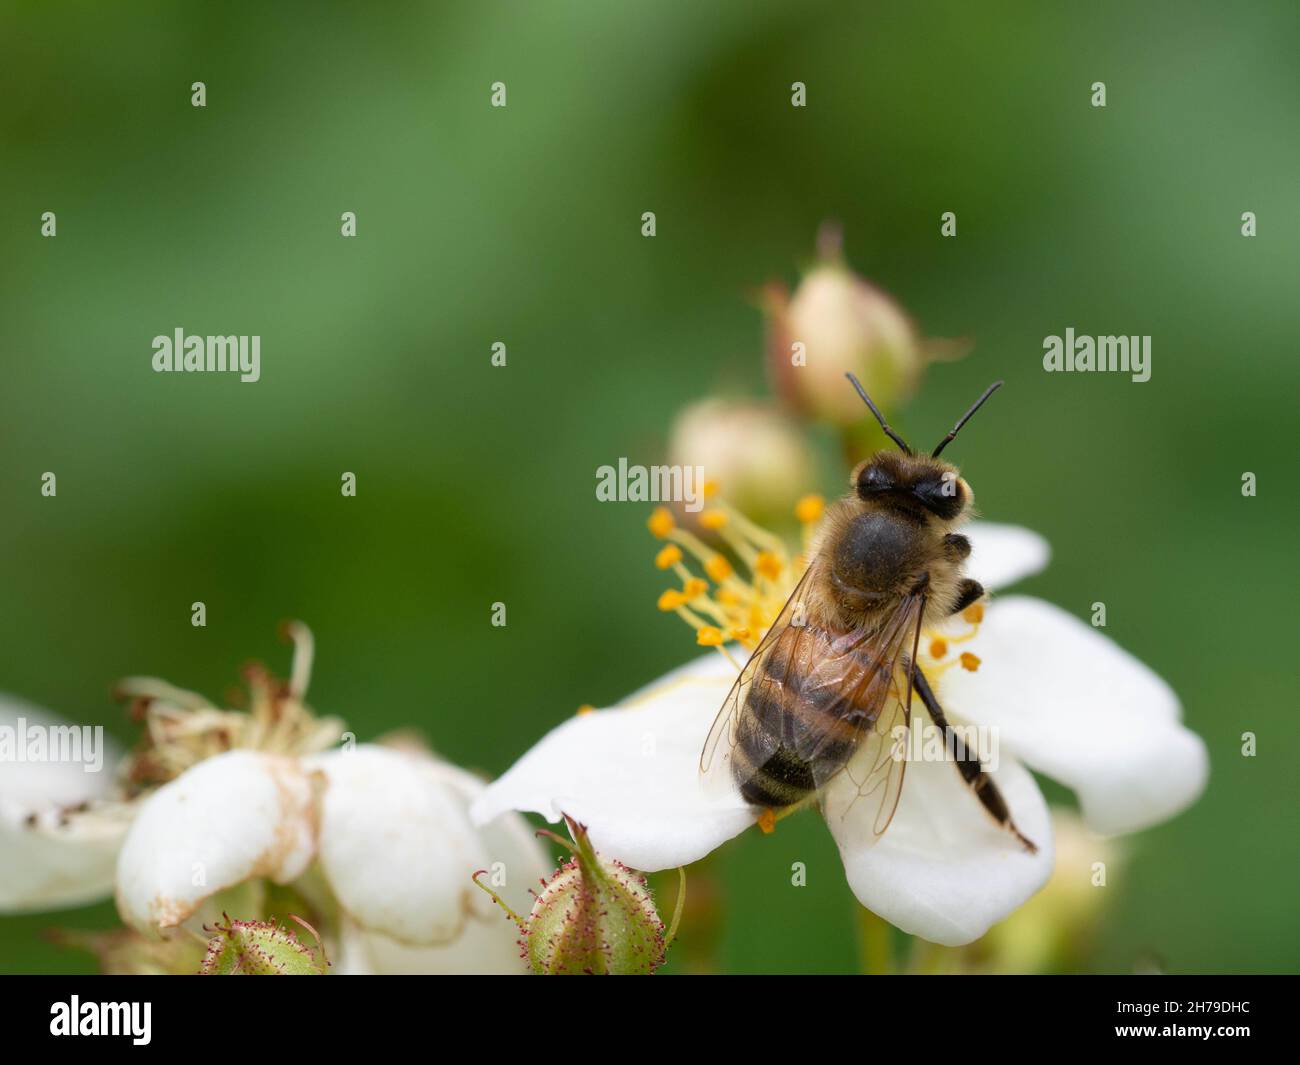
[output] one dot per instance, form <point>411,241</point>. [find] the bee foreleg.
<point>968,764</point>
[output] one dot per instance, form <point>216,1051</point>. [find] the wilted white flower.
<point>388,831</point>
<point>378,839</point>
<point>53,853</point>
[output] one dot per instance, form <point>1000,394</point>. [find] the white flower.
<point>379,839</point>
<point>389,833</point>
<point>1066,701</point>
<point>49,859</point>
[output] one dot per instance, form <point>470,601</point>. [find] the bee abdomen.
<point>784,779</point>
<point>777,762</point>
<point>772,766</point>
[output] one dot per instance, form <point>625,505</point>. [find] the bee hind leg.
<point>969,765</point>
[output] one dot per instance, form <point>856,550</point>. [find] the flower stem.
<point>873,944</point>
<point>678,906</point>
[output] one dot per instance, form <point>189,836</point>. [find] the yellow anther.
<point>938,647</point>
<point>974,613</point>
<point>969,662</point>
<point>660,523</point>
<point>669,555</point>
<point>708,636</point>
<point>713,519</point>
<point>586,708</point>
<point>727,596</point>
<point>718,569</point>
<point>672,600</point>
<point>711,488</point>
<point>810,509</point>
<point>767,821</point>
<point>768,564</point>
<point>739,633</point>
<point>695,587</point>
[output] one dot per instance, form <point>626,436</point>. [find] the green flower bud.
<point>594,916</point>
<point>836,322</point>
<point>258,948</point>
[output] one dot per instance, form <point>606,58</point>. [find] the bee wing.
<point>847,680</point>
<point>873,696</point>
<point>721,740</point>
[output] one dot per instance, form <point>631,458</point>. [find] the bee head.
<point>914,483</point>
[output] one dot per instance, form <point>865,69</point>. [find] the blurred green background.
<point>522,225</point>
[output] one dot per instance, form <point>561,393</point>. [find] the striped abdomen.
<point>809,705</point>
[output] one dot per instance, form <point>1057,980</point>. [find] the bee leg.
<point>969,765</point>
<point>968,592</point>
<point>956,547</point>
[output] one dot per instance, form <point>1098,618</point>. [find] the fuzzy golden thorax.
<point>892,535</point>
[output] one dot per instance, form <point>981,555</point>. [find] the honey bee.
<point>832,680</point>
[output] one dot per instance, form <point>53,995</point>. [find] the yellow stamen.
<point>938,647</point>
<point>660,523</point>
<point>669,555</point>
<point>810,509</point>
<point>713,519</point>
<point>709,636</point>
<point>718,569</point>
<point>711,488</point>
<point>767,821</point>
<point>585,708</point>
<point>768,564</point>
<point>671,600</point>
<point>695,587</point>
<point>974,613</point>
<point>969,662</point>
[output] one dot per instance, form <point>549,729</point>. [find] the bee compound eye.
<point>943,496</point>
<point>874,479</point>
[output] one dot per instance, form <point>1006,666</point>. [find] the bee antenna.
<point>965,418</point>
<point>880,417</point>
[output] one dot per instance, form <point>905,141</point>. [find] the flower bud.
<point>594,916</point>
<point>257,948</point>
<point>837,323</point>
<point>756,455</point>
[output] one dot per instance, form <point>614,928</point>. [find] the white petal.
<point>631,774</point>
<point>398,848</point>
<point>50,859</point>
<point>1003,554</point>
<point>237,815</point>
<point>1076,706</point>
<point>517,860</point>
<point>943,870</point>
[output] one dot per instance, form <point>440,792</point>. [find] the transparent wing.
<point>721,740</point>
<point>871,698</point>
<point>836,700</point>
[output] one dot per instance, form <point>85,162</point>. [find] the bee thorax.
<point>876,556</point>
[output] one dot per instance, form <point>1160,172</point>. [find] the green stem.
<point>677,908</point>
<point>873,942</point>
